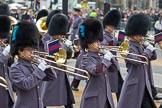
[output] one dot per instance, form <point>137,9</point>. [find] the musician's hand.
<point>151,48</point>
<point>68,43</point>
<point>42,65</point>
<point>6,51</point>
<point>108,55</point>
<point>146,43</point>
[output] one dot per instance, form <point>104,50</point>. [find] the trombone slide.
<point>5,83</point>
<point>67,71</point>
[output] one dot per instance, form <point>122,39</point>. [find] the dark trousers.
<point>154,91</point>
<point>107,104</point>
<point>147,100</point>
<point>75,83</point>
<point>120,84</point>
<point>10,103</point>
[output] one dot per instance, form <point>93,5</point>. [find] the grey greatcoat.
<point>27,79</point>
<point>77,65</point>
<point>75,25</point>
<point>136,82</point>
<point>97,93</point>
<point>57,92</point>
<point>5,95</point>
<point>116,80</point>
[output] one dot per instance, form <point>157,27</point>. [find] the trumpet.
<point>123,50</point>
<point>4,84</point>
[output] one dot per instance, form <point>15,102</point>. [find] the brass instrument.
<point>153,42</point>
<point>4,84</point>
<point>123,50</point>
<point>59,57</point>
<point>3,44</point>
<point>13,22</point>
<point>41,25</point>
<point>59,60</point>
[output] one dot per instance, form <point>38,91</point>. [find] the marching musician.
<point>6,96</point>
<point>110,22</point>
<point>46,37</point>
<point>77,20</point>
<point>97,92</point>
<point>136,91</point>
<point>58,92</point>
<point>25,75</point>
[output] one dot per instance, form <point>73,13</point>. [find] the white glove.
<point>104,51</point>
<point>68,43</point>
<point>42,65</point>
<point>151,48</point>
<point>108,55</point>
<point>146,43</point>
<point>6,51</point>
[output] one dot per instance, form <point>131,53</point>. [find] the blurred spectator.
<point>158,24</point>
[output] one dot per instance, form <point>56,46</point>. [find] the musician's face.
<point>59,37</point>
<point>27,52</point>
<point>137,38</point>
<point>94,47</point>
<point>109,28</point>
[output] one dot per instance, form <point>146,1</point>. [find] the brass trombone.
<point>123,50</point>
<point>4,84</point>
<point>36,56</point>
<point>3,44</point>
<point>153,42</point>
<point>41,25</point>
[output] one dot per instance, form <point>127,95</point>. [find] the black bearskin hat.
<point>112,17</point>
<point>4,9</point>
<point>25,17</point>
<point>90,31</point>
<point>5,24</point>
<point>41,14</point>
<point>52,13</point>
<point>25,34</point>
<point>138,24</point>
<point>58,25</point>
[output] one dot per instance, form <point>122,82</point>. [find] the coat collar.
<point>24,62</point>
<point>134,43</point>
<point>93,54</point>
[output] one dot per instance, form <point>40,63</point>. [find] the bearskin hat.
<point>25,34</point>
<point>4,9</point>
<point>90,31</point>
<point>112,18</point>
<point>138,24</point>
<point>5,24</point>
<point>52,13</point>
<point>58,25</point>
<point>41,14</point>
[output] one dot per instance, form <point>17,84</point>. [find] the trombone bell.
<point>41,25</point>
